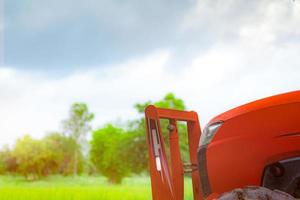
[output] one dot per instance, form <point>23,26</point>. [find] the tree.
<point>169,101</point>
<point>61,149</point>
<point>107,153</point>
<point>52,154</point>
<point>32,157</point>
<point>136,146</point>
<point>77,126</point>
<point>7,161</point>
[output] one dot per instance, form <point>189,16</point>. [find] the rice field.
<point>77,188</point>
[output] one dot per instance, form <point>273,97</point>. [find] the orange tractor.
<point>256,144</point>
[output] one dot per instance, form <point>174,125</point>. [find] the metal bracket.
<point>190,167</point>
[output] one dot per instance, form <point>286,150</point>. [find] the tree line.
<point>114,151</point>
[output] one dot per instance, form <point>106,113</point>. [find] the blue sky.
<point>71,34</point>
<point>111,54</point>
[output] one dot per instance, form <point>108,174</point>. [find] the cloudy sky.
<point>111,54</point>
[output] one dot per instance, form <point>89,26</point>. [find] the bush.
<point>51,155</point>
<point>136,147</point>
<point>8,162</point>
<point>61,151</point>
<point>32,157</point>
<point>108,153</point>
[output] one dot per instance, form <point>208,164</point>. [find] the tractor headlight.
<point>209,132</point>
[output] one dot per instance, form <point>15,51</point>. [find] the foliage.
<point>77,126</point>
<point>78,123</point>
<point>136,147</point>
<point>56,153</point>
<point>115,152</point>
<point>32,157</point>
<point>108,153</point>
<point>2,163</point>
<point>61,149</point>
<point>7,161</point>
<point>169,101</point>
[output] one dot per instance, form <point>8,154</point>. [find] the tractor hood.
<point>286,98</point>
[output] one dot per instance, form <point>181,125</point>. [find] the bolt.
<point>171,127</point>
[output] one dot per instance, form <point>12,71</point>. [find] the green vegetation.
<point>108,153</point>
<point>73,188</point>
<point>78,188</point>
<point>76,127</point>
<point>120,151</point>
<point>114,151</point>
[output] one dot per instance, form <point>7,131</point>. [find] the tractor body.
<point>254,144</point>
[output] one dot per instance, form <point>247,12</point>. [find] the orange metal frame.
<point>167,179</point>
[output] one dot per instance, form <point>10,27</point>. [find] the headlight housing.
<point>209,132</point>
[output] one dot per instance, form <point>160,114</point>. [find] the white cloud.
<point>230,75</point>
<point>258,21</point>
<point>221,78</point>
<point>34,103</point>
<point>255,54</point>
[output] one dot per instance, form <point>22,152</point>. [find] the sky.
<point>111,54</point>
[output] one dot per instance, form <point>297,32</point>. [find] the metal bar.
<point>194,133</point>
<point>176,114</point>
<point>176,162</point>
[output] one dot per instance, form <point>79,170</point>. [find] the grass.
<point>77,188</point>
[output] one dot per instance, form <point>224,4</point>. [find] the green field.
<point>77,188</point>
